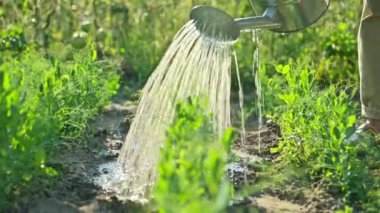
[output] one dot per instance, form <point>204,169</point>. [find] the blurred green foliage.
<point>136,33</point>
<point>26,128</point>
<point>192,166</point>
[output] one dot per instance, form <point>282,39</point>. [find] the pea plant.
<point>42,102</point>
<point>316,124</point>
<point>192,166</point>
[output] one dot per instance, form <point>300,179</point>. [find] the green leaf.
<point>285,70</point>
<point>6,81</point>
<point>351,121</point>
<point>289,99</point>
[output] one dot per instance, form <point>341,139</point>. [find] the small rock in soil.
<point>117,145</point>
<point>100,132</point>
<point>105,171</point>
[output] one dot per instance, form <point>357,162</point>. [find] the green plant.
<point>25,129</point>
<point>192,165</point>
<point>82,87</point>
<point>340,55</point>
<point>315,124</point>
<point>43,101</point>
<point>12,40</point>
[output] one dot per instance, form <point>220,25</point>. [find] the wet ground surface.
<point>75,192</point>
<point>78,163</point>
<point>292,197</point>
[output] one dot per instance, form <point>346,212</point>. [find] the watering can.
<point>283,16</point>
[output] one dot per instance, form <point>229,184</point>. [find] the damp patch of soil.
<point>78,162</point>
<point>291,197</point>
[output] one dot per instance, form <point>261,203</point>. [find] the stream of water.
<point>243,137</point>
<point>192,66</point>
<point>255,73</point>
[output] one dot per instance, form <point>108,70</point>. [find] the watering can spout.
<point>269,20</point>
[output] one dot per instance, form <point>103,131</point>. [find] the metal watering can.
<point>281,16</point>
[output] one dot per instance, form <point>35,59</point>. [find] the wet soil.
<point>293,196</point>
<point>78,162</point>
<point>74,191</point>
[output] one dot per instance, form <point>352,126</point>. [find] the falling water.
<point>255,73</point>
<point>243,136</point>
<point>192,66</point>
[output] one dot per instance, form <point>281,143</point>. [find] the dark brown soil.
<point>291,197</point>
<point>259,142</point>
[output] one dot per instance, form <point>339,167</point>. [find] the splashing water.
<point>192,66</point>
